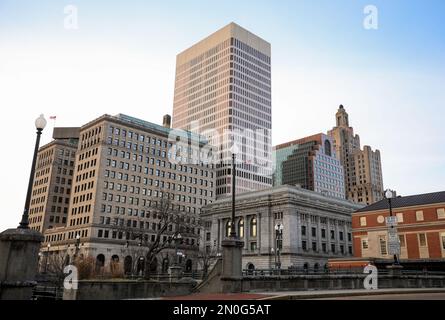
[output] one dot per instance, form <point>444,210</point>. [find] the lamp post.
<point>40,261</point>
<point>40,125</point>
<point>47,256</point>
<point>232,230</point>
<point>274,252</point>
<point>278,237</point>
<point>177,237</point>
<point>389,194</point>
<point>77,246</point>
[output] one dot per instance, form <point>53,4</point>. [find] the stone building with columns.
<point>314,227</point>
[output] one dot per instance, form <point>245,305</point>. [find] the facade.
<point>124,167</point>
<point>223,88</point>
<point>53,181</point>
<point>363,168</point>
<point>311,163</point>
<point>315,227</point>
<point>421,228</point>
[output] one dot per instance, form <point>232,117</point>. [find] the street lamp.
<point>234,152</point>
<point>40,261</point>
<point>77,246</point>
<point>40,125</point>
<point>278,238</point>
<point>389,194</point>
<point>48,246</point>
<point>274,252</point>
<point>177,237</point>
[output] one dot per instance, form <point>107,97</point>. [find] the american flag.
<point>53,117</point>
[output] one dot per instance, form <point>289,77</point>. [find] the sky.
<point>121,59</point>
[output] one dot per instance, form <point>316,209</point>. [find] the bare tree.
<point>167,219</point>
<point>207,254</point>
<point>166,222</point>
<point>55,264</point>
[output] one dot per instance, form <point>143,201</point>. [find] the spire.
<point>342,117</point>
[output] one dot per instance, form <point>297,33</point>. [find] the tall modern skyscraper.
<point>311,163</point>
<point>363,168</point>
<point>223,92</point>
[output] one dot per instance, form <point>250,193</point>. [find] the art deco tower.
<point>363,168</point>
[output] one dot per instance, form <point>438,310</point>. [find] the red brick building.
<point>421,231</point>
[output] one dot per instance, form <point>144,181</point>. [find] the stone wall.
<point>127,289</point>
<point>337,282</point>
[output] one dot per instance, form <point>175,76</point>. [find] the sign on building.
<point>394,247</point>
<point>391,221</point>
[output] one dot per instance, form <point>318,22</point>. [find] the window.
<point>253,246</point>
<point>304,245</point>
<point>332,234</point>
<point>228,228</point>
<point>419,215</point>
<point>365,244</point>
<point>323,233</point>
<point>363,221</point>
<point>443,241</point>
<point>314,232</point>
<point>399,217</point>
<point>422,239</point>
<point>383,249</point>
<point>323,247</point>
<point>402,240</point>
<point>241,228</point>
<point>253,227</point>
<point>314,246</point>
<point>441,213</point>
<point>303,230</point>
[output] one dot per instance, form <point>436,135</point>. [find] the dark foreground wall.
<point>126,289</point>
<point>337,282</point>
<point>316,282</point>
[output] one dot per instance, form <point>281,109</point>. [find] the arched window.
<point>253,227</point>
<point>316,267</point>
<point>327,148</point>
<point>165,265</point>
<point>140,267</point>
<point>114,264</point>
<point>188,266</point>
<point>228,228</point>
<point>128,265</point>
<point>154,265</point>
<point>100,262</point>
<point>241,228</point>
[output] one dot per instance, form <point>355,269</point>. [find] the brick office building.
<point>421,231</point>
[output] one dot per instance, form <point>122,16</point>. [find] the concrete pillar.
<point>19,256</point>
<point>232,258</point>
<point>175,273</point>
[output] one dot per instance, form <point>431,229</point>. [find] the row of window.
<point>440,214</point>
<point>324,247</point>
<point>323,233</point>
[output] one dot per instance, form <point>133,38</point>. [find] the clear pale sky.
<point>122,59</point>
